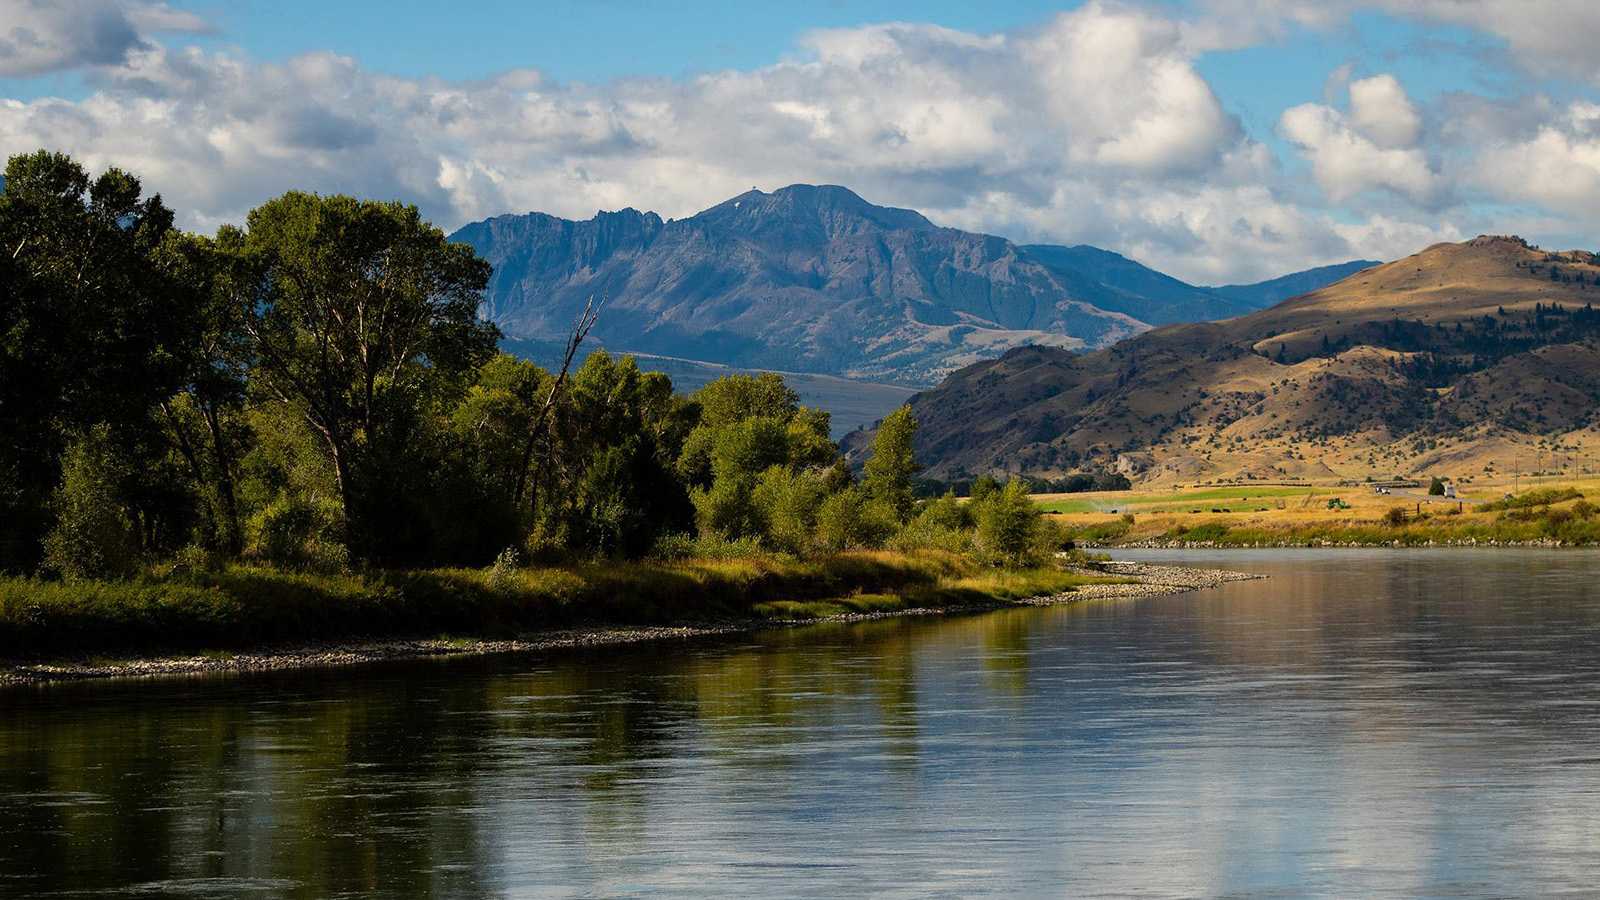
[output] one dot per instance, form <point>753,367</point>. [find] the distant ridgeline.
<point>815,279</point>
<point>1461,359</point>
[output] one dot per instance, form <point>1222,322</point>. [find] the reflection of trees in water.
<point>352,787</point>
<point>457,779</point>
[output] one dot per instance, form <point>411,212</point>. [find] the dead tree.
<point>580,330</point>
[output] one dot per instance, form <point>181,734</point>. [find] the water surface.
<point>1364,723</point>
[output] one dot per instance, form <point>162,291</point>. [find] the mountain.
<point>816,279</point>
<point>1455,360</point>
<point>1265,293</point>
<point>1139,291</point>
<point>809,279</point>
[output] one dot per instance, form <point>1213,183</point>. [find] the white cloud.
<point>42,36</point>
<point>1557,166</point>
<point>1091,127</point>
<point>1382,112</point>
<point>1373,147</point>
<point>1547,37</point>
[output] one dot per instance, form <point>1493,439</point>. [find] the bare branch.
<point>580,330</point>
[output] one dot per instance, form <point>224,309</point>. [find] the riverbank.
<point>1117,579</point>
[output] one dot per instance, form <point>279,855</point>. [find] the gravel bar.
<point>1144,580</point>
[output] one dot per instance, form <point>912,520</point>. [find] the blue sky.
<point>1221,139</point>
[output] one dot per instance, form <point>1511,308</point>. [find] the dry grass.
<point>253,607</point>
<point>1302,514</point>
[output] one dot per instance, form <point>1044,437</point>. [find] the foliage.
<point>1008,522</point>
<point>280,428</point>
<point>93,536</point>
<point>886,477</point>
<point>1540,497</point>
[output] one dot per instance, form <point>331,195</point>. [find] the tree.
<point>93,330</point>
<point>886,477</point>
<point>1007,522</point>
<point>1436,489</point>
<point>367,314</point>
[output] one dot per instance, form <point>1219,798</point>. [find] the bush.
<point>788,503</point>
<point>1436,489</point>
<point>296,534</point>
<point>1543,497</point>
<point>850,521</point>
<point>1007,523</point>
<point>728,508</point>
<point>92,537</point>
<point>1395,517</point>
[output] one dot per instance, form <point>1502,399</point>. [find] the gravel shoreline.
<point>1151,580</point>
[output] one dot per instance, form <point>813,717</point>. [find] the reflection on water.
<point>1366,723</point>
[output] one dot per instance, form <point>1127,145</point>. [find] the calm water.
<point>1363,724</point>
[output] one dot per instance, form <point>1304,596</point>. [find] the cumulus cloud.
<point>1556,167</point>
<point>1374,146</point>
<point>1091,127</point>
<point>42,36</point>
<point>1547,37</point>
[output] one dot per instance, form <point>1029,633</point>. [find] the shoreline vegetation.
<point>303,431</point>
<point>732,595</point>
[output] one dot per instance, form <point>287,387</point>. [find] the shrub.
<point>1542,497</point>
<point>850,520</point>
<point>1007,521</point>
<point>296,534</point>
<point>728,508</point>
<point>1395,517</point>
<point>788,503</point>
<point>503,574</point>
<point>92,537</point>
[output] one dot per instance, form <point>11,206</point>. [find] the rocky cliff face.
<point>805,278</point>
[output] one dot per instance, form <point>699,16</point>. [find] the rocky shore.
<point>1135,580</point>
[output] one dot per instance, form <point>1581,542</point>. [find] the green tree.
<point>92,536</point>
<point>887,475</point>
<point>1436,489</point>
<point>93,330</point>
<point>1007,521</point>
<point>367,315</point>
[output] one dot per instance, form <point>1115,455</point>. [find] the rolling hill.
<point>814,279</point>
<point>1462,358</point>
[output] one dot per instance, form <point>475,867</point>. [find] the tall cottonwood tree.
<point>367,313</point>
<point>92,330</point>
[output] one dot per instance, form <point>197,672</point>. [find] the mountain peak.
<point>816,212</point>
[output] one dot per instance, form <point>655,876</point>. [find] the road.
<point>1411,496</point>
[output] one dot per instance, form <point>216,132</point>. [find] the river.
<point>1365,723</point>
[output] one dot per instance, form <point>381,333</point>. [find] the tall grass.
<point>246,606</point>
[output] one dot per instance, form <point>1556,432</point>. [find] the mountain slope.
<point>1455,357</point>
<point>1137,290</point>
<point>805,278</point>
<point>1263,294</point>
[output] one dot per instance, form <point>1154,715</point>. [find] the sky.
<point>1217,140</point>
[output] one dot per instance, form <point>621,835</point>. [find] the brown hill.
<point>1459,359</point>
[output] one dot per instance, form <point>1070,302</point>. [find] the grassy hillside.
<point>1476,358</point>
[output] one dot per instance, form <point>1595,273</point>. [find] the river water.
<point>1406,724</point>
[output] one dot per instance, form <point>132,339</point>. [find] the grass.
<point>978,589</point>
<point>243,606</point>
<point>1557,514</point>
